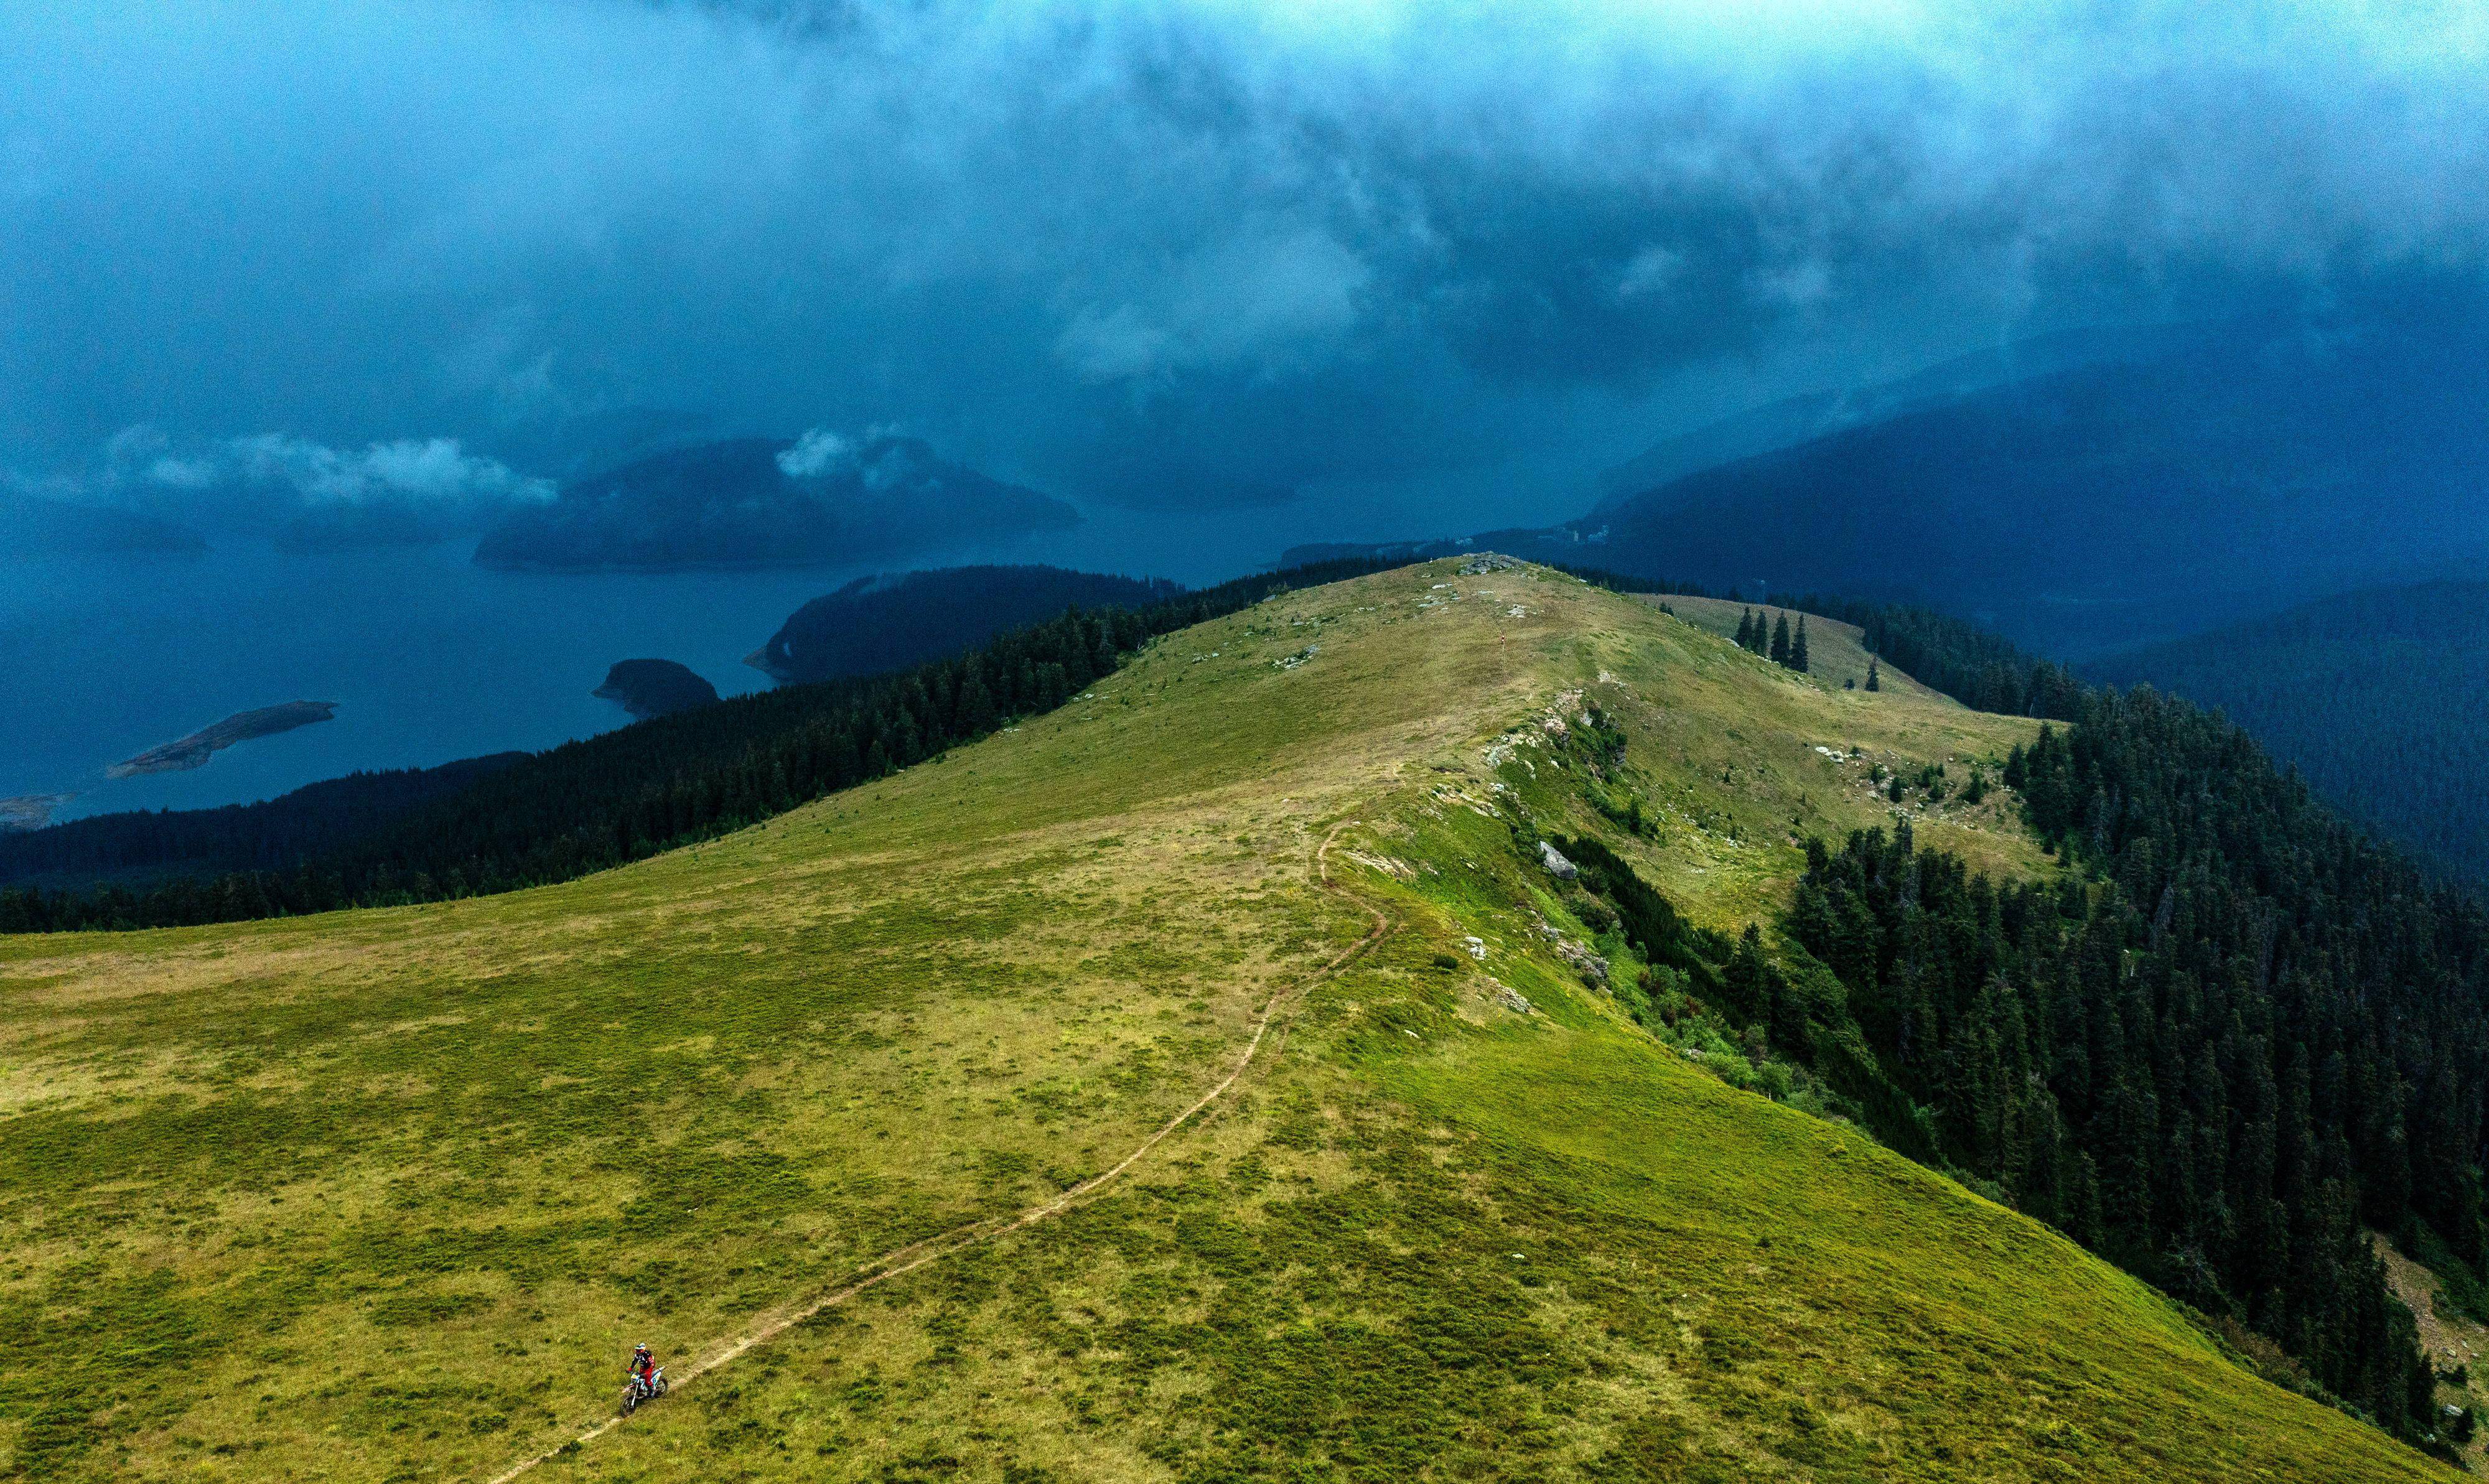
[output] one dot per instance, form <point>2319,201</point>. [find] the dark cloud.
<point>1165,254</point>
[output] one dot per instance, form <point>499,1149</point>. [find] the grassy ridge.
<point>389,1195</point>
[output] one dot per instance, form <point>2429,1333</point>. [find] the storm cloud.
<point>1175,256</point>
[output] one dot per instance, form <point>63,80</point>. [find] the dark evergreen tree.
<point>1875,677</point>
<point>2241,1038</point>
<point>1797,647</point>
<point>1781,641</point>
<point>691,775</point>
<point>1746,628</point>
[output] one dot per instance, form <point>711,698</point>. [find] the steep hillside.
<point>1838,653</point>
<point>902,1125</point>
<point>2377,697</point>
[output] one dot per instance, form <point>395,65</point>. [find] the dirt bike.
<point>639,1391</point>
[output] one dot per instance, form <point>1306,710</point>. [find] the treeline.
<point>892,621</point>
<point>1758,635</point>
<point>2240,1037</point>
<point>274,835</point>
<point>675,779</point>
<point>1981,670</point>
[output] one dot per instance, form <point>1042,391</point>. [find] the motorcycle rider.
<point>644,1370</point>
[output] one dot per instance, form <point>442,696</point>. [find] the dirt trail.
<point>901,1261</point>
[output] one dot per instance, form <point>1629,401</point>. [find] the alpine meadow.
<point>1243,742</point>
<point>1207,1079</point>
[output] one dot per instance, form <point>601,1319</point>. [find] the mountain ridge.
<point>951,993</point>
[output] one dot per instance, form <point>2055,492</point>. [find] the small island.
<point>194,750</point>
<point>652,687</point>
<point>30,810</point>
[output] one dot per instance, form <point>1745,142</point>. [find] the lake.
<point>430,657</point>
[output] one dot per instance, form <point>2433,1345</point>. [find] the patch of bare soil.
<point>2450,1337</point>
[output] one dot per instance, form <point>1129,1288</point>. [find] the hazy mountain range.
<point>2145,491</point>
<point>758,502</point>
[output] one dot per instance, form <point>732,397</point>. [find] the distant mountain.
<point>895,621</point>
<point>139,847</point>
<point>2120,501</point>
<point>30,524</point>
<point>1815,414</point>
<point>2108,505</point>
<point>647,688</point>
<point>2379,696</point>
<point>567,446</point>
<point>762,502</point>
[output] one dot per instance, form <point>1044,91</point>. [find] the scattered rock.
<point>1390,865</point>
<point>1554,860</point>
<point>1510,998</point>
<point>1488,562</point>
<point>1298,658</point>
<point>1585,961</point>
<point>1476,948</point>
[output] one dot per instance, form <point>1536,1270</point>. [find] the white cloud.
<point>1650,273</point>
<point>427,472</point>
<point>182,473</point>
<point>431,486</point>
<point>819,452</point>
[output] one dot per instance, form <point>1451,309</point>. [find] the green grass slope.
<point>873,1113</point>
<point>1836,653</point>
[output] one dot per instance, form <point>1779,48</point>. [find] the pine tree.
<point>1874,683</point>
<point>1797,647</point>
<point>1746,628</point>
<point>1781,641</point>
<point>1748,979</point>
